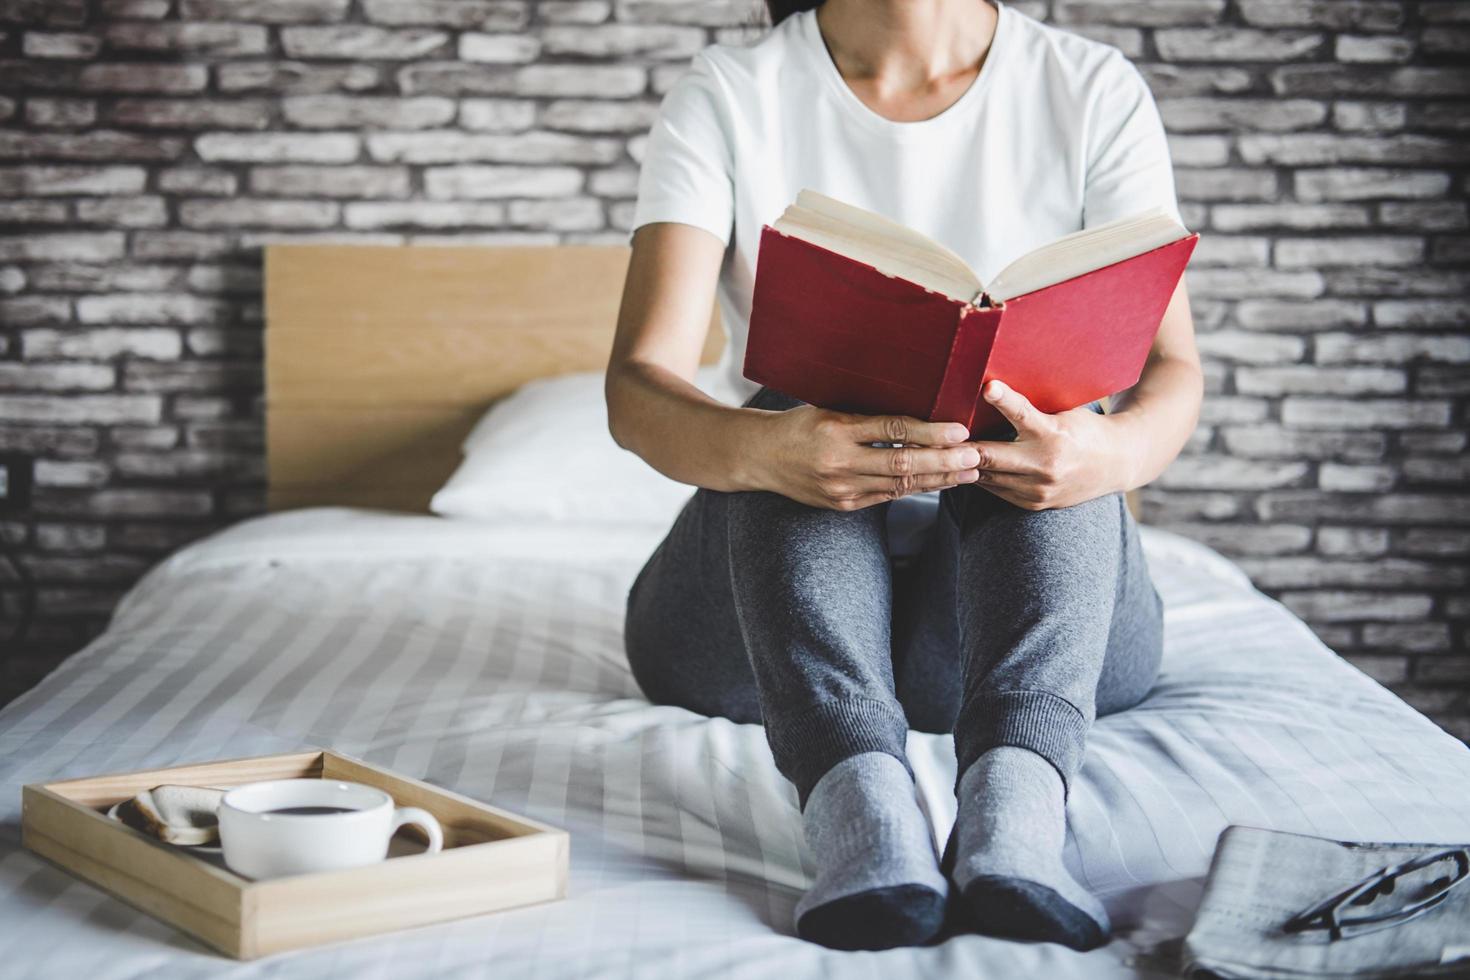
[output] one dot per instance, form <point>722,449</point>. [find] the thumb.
<point>1018,411</point>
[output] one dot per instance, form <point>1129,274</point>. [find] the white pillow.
<point>545,454</point>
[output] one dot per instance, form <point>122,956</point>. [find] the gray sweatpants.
<point>1011,627</point>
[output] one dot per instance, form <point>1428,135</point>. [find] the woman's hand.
<point>823,458</point>
<point>1056,460</point>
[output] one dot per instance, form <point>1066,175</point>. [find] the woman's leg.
<point>1055,621</point>
<point>760,608</point>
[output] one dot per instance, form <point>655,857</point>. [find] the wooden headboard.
<point>380,358</point>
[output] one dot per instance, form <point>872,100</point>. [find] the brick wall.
<point>150,147</point>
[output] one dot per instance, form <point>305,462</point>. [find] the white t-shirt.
<point>1056,133</point>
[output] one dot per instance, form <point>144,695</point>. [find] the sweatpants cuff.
<point>1048,725</point>
<point>806,746</point>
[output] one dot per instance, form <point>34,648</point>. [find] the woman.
<point>841,592</point>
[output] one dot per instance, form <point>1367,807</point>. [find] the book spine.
<point>959,389</point>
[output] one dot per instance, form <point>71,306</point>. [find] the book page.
<point>875,240</point>
<point>1085,251</point>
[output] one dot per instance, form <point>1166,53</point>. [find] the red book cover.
<point>838,333</point>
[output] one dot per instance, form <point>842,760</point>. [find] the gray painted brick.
<point>60,44</point>
<point>60,113</point>
<point>1319,146</point>
<point>330,181</point>
<point>360,41</point>
<point>498,115</point>
<point>379,112</point>
<point>1237,45</point>
<point>499,49</point>
<point>277,147</point>
<point>490,15</point>
<point>102,344</point>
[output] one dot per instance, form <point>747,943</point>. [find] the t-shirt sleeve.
<point>1128,166</point>
<point>688,166</point>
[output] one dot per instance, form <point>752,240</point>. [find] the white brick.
<point>257,213</point>
<point>60,44</point>
<point>150,308</point>
<point>79,409</point>
<point>1313,253</point>
<point>1356,479</point>
<point>102,246</point>
<point>196,180</point>
<point>1254,283</point>
<point>566,214</point>
<point>472,183</point>
<point>454,147</point>
<point>1422,313</point>
<point>116,77</point>
<point>1296,217</point>
<point>1367,183</point>
<point>265,11</point>
<point>1234,44</point>
<point>102,344</point>
<point>1339,348</point>
<point>124,212</point>
<point>490,15</point>
<point>1272,441</point>
<point>1251,347</point>
<point>1353,542</point>
<point>1197,114</point>
<point>341,181</point>
<point>1358,48</point>
<point>277,147</point>
<point>500,49</point>
<point>1343,606</point>
<point>55,377</point>
<point>1369,116</point>
<point>183,36</point>
<point>1230,473</point>
<point>623,40</point>
<point>497,115</point>
<point>598,116</point>
<point>359,41</point>
<point>1364,413</point>
<point>350,111</point>
<point>1311,379</point>
<point>423,214</point>
<point>61,113</point>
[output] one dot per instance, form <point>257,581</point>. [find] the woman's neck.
<point>907,59</point>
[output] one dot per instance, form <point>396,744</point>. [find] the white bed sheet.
<point>489,660</point>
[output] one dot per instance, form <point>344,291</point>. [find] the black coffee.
<point>311,811</point>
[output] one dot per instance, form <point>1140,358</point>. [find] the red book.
<point>856,313</point>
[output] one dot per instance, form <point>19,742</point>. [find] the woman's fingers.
<point>1024,417</point>
<point>902,428</point>
<point>914,461</point>
<point>875,489</point>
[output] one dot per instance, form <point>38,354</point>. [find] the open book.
<point>855,312</point>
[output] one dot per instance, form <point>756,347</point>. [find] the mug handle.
<point>422,819</point>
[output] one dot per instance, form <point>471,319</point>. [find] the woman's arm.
<point>818,457</point>
<point>1063,459</point>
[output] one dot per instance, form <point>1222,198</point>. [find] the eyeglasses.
<point>1443,871</point>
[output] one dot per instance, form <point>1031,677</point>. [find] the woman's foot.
<point>1005,855</point>
<point>878,883</point>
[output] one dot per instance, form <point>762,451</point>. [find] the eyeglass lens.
<point>1408,889</point>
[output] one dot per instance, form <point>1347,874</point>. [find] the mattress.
<point>489,660</point>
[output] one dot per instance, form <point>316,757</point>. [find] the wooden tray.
<point>492,860</point>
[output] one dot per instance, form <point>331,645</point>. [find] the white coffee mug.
<point>262,838</point>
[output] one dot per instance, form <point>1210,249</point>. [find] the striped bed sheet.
<point>489,660</point>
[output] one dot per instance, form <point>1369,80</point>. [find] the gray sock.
<point>1006,854</point>
<point>878,883</point>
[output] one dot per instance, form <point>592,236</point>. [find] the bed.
<point>487,658</point>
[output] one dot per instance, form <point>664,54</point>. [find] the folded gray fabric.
<point>1260,878</point>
